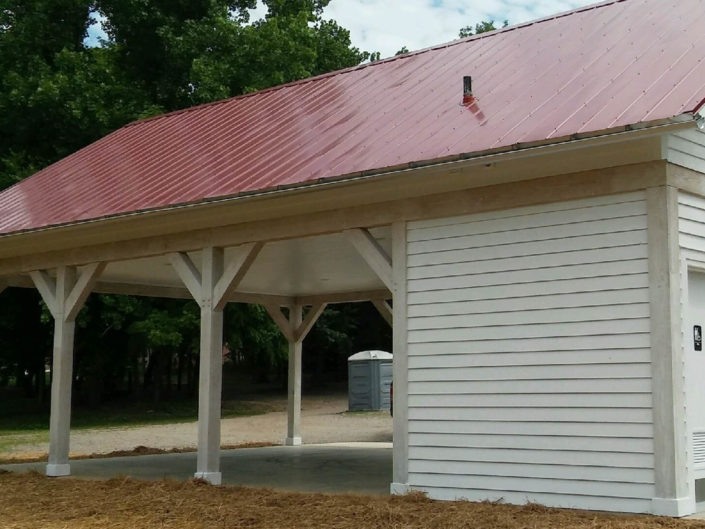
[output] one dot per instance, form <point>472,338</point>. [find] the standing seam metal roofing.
<point>601,67</point>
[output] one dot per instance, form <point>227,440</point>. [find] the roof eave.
<point>522,149</point>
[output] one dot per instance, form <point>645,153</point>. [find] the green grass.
<point>21,416</point>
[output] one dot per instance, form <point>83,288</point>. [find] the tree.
<point>480,27</point>
<point>57,95</point>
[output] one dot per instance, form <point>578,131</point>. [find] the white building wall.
<point>691,225</point>
<point>529,359</point>
<point>687,148</point>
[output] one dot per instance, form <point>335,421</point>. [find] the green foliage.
<point>403,50</point>
<point>56,96</point>
<point>480,27</point>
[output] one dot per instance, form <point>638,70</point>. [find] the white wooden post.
<point>211,288</point>
<point>400,367</point>
<point>672,494</point>
<point>293,410</point>
<point>392,272</point>
<point>64,297</point>
<point>295,329</point>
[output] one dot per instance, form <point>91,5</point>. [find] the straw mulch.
<point>32,500</point>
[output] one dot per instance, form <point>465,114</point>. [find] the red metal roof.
<point>610,65</point>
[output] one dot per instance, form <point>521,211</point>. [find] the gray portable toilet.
<point>369,378</point>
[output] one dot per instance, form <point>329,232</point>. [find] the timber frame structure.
<point>539,240</point>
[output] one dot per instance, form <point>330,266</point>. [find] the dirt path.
<point>324,420</point>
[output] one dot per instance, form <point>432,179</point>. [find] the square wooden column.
<point>293,410</point>
<point>295,329</point>
<point>64,297</point>
<point>211,288</point>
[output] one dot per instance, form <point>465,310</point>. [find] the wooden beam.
<point>188,273</point>
<point>373,254</point>
<point>82,289</point>
<point>46,286</point>
<point>234,273</point>
<point>385,309</point>
<point>312,316</point>
<point>27,252</point>
<point>281,321</point>
<point>343,297</point>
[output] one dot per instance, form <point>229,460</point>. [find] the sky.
<point>387,25</point>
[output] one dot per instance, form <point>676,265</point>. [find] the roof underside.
<point>597,68</point>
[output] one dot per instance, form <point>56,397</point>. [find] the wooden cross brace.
<point>218,280</point>
<point>65,295</point>
<point>295,333</point>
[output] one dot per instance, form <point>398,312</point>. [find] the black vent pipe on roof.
<point>467,85</point>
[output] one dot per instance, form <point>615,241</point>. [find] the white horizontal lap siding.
<point>691,226</point>
<point>529,355</point>
<point>687,148</point>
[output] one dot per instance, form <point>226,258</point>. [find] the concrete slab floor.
<point>339,467</point>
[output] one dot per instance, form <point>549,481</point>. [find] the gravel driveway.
<point>324,420</point>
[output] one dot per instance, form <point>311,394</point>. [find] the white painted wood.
<point>606,415</point>
<point>385,310</point>
<point>576,401</point>
<point>542,211</point>
<point>568,458</point>
<point>523,234</point>
<point>62,375</point>
<point>234,273</point>
<point>691,213</point>
<point>533,485</point>
<point>87,279</point>
<point>540,371</point>
<point>304,327</point>
<point>210,288</point>
<point>65,297</point>
<point>672,486</point>
<point>211,370</point>
<point>529,428</point>
<point>295,329</point>
<point>521,470</point>
<point>540,359</point>
<point>562,343</point>
<point>281,321</point>
<point>571,244</point>
<point>553,386</point>
<point>528,339</point>
<point>293,423</point>
<point>188,273</point>
<point>538,316</point>
<point>373,254</point>
<point>631,266</point>
<point>568,501</point>
<point>687,149</point>
<point>46,286</point>
<point>532,262</point>
<point>400,365</point>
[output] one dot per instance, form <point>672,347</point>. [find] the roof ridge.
<point>386,60</point>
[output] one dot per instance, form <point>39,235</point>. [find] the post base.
<point>292,441</point>
<point>55,470</point>
<point>672,506</point>
<point>214,478</point>
<point>399,489</point>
